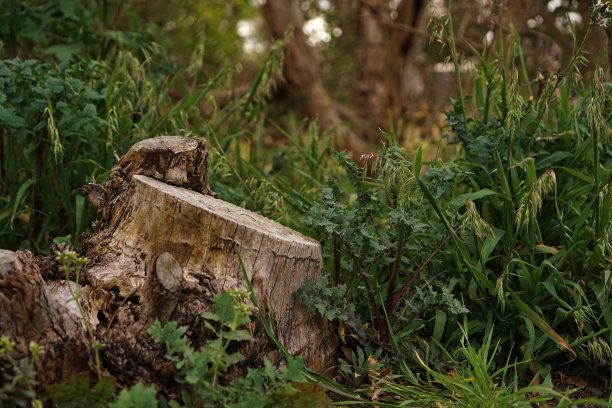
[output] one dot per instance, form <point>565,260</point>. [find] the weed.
<point>199,370</point>
<point>70,263</point>
<point>19,390</point>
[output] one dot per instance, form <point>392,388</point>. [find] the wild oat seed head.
<point>472,220</point>
<point>532,201</point>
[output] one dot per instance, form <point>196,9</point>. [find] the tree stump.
<point>34,310</point>
<point>162,250</point>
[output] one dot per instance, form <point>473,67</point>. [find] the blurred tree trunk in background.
<point>381,66</point>
<point>382,51</point>
<point>301,70</point>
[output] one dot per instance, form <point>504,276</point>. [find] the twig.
<point>110,322</point>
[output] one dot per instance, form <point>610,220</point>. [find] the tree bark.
<point>162,251</point>
<point>34,310</point>
<point>382,52</point>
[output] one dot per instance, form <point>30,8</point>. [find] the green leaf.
<point>293,372</point>
<point>417,162</point>
<point>75,392</point>
<point>541,323</point>
<point>224,308</point>
<point>9,118</point>
<point>20,193</point>
<point>527,120</point>
<point>64,51</point>
<point>548,161</point>
<point>490,243</point>
<point>138,396</point>
<point>460,200</point>
<point>578,174</point>
<point>439,325</point>
<point>241,335</point>
<point>79,212</point>
<point>211,316</point>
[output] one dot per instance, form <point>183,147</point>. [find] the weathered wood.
<point>199,238</point>
<point>172,159</point>
<point>162,250</point>
<point>32,310</point>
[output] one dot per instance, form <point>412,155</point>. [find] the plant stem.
<point>379,320</point>
<point>215,366</point>
<point>75,293</point>
<point>395,270</point>
<point>336,261</point>
<point>453,50</point>
<point>478,251</point>
<point>564,234</point>
<point>408,284</point>
<point>595,131</point>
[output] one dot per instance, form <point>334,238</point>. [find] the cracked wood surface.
<point>162,249</point>
<point>203,235</point>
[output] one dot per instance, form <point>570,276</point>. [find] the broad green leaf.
<point>459,201</point>
<point>20,193</point>
<point>64,51</point>
<point>490,243</point>
<point>439,325</point>
<point>138,396</point>
<point>9,118</point>
<point>578,174</point>
<point>551,159</point>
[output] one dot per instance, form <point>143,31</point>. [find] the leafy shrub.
<point>58,28</point>
<point>526,209</point>
<point>200,370</point>
<point>62,127</point>
<point>542,177</point>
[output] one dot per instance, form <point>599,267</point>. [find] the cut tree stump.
<point>161,250</point>
<point>34,310</point>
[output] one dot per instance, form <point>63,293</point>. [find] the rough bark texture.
<point>34,310</point>
<point>162,251</point>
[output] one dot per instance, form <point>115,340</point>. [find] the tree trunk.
<point>383,53</point>
<point>162,251</point>
<point>301,71</point>
<point>372,96</point>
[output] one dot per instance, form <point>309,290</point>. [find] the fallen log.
<point>162,248</point>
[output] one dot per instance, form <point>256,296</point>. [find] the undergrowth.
<point>466,283</point>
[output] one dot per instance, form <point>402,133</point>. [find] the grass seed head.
<point>532,201</point>
<point>473,221</point>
